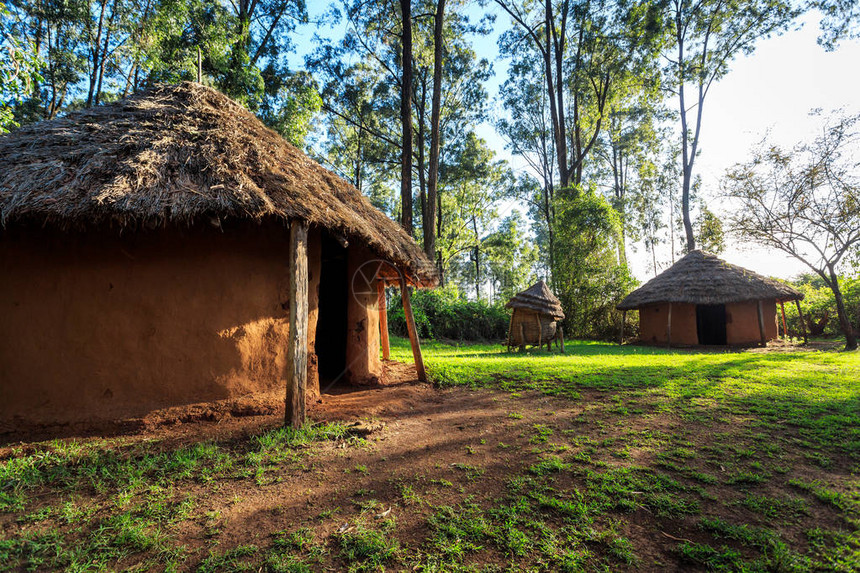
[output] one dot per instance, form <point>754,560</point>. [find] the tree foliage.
<point>18,70</point>
<point>840,20</point>
<point>589,281</point>
<point>805,202</point>
<point>91,52</point>
<point>706,35</point>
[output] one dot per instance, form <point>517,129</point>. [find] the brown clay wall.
<point>314,270</point>
<point>653,320</point>
<point>363,364</point>
<point>742,322</point>
<point>97,326</point>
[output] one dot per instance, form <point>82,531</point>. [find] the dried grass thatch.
<point>703,278</point>
<point>531,327</point>
<point>178,154</point>
<point>538,298</point>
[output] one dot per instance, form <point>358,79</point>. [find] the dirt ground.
<point>420,438</point>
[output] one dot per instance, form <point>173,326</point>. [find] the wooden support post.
<point>561,334</point>
<point>761,324</point>
<point>540,331</point>
<point>802,322</point>
<point>297,351</point>
<point>511,331</point>
<point>621,334</point>
<point>522,337</point>
<point>383,318</point>
<point>784,327</point>
<point>410,327</point>
<point>669,327</point>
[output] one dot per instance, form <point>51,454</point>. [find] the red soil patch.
<point>427,440</point>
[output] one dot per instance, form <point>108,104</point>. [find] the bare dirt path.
<point>649,474</point>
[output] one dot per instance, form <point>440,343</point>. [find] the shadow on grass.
<point>817,393</point>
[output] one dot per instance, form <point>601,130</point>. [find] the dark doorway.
<point>711,323</point>
<point>331,325</point>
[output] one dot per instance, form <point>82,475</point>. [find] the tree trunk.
<point>421,138</point>
<point>844,320</point>
<point>477,260</point>
<point>36,92</point>
<point>547,212</point>
<point>358,158</point>
<point>406,119</point>
<point>558,48</point>
<point>96,53</point>
<point>557,128</point>
<point>105,54</point>
<point>687,157</point>
<point>433,175</point>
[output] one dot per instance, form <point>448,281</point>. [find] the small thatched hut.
<point>533,321</point>
<point>702,299</point>
<point>170,249</point>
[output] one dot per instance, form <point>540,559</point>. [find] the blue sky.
<point>769,93</point>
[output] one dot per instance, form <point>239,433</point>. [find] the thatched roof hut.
<point>714,302</point>
<point>176,155</point>
<point>538,298</point>
<point>535,313</point>
<point>169,248</point>
<point>703,278</point>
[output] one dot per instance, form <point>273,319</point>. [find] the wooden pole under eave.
<point>621,334</point>
<point>297,350</point>
<point>784,327</point>
<point>802,322</point>
<point>383,318</point>
<point>761,323</point>
<point>669,328</point>
<point>410,327</point>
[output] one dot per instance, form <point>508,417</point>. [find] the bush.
<point>445,313</point>
<point>819,306</point>
<point>587,277</point>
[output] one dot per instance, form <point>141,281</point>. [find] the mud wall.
<point>653,320</point>
<point>98,326</point>
<point>363,364</point>
<point>742,322</point>
<point>314,270</point>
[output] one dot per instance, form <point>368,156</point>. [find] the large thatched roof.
<point>703,278</point>
<point>175,155</point>
<point>538,298</point>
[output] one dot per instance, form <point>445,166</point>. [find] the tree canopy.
<point>561,156</point>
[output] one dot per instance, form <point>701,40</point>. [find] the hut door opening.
<point>331,327</point>
<point>711,323</point>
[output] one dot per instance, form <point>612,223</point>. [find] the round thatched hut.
<point>702,299</point>
<point>533,321</point>
<point>170,249</point>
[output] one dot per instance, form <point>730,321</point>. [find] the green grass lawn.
<point>606,458</point>
<point>777,434</point>
<point>816,392</point>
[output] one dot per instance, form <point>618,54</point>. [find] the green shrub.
<point>819,305</point>
<point>444,313</point>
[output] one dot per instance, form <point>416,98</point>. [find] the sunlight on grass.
<point>818,391</point>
